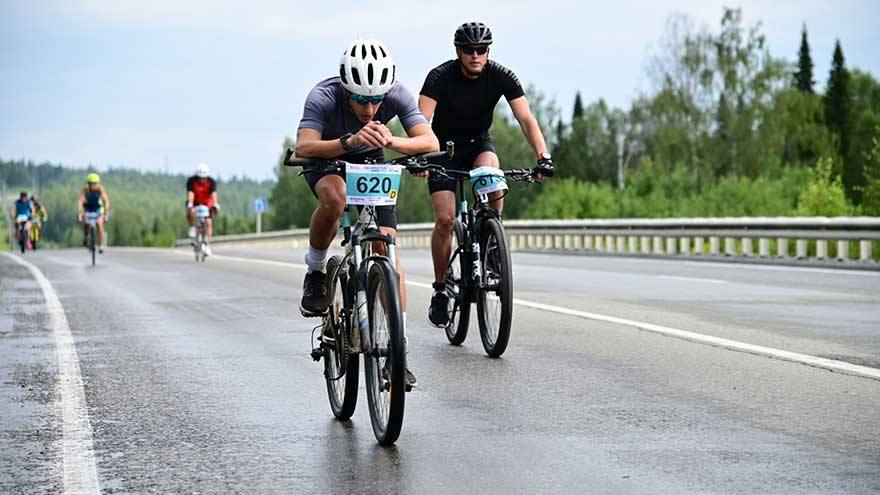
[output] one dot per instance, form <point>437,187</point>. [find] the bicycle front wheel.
<point>495,298</point>
<point>93,233</point>
<point>457,273</point>
<point>385,354</point>
<point>340,364</point>
<point>23,240</point>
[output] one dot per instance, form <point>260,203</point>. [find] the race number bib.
<point>376,185</point>
<point>488,180</point>
<point>203,211</point>
<point>21,219</point>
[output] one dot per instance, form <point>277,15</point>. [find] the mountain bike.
<point>92,241</point>
<point>479,268</point>
<point>200,242</point>
<point>365,315</point>
<point>23,234</point>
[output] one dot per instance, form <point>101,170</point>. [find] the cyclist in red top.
<point>201,189</point>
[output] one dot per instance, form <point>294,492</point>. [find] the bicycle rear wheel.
<point>23,239</point>
<point>340,365</point>
<point>385,357</point>
<point>457,288</point>
<point>495,298</point>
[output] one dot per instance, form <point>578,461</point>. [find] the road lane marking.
<point>733,345</point>
<point>693,279</point>
<point>80,473</point>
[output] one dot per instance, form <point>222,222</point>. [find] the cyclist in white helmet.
<point>201,189</point>
<point>345,118</point>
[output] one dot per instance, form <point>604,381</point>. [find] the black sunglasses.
<point>479,50</point>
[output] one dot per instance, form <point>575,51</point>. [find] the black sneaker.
<point>315,298</point>
<point>438,312</point>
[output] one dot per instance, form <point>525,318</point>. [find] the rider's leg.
<point>443,203</point>
<point>101,234</point>
<point>325,219</point>
<point>209,228</point>
<point>490,159</point>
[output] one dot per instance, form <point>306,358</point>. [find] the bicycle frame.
<point>468,217</point>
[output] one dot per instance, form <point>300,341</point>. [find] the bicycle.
<point>365,315</point>
<point>479,268</point>
<point>23,234</point>
<point>91,217</point>
<point>200,242</point>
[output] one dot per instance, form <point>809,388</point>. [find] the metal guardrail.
<point>812,238</point>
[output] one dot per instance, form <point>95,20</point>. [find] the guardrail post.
<point>557,242</point>
<point>600,243</point>
<point>621,244</point>
<point>698,245</point>
<point>658,245</point>
<point>646,244</point>
<point>764,247</point>
<point>609,243</point>
<point>548,241</point>
<point>729,246</point>
<point>782,247</point>
<point>821,249</point>
<point>670,245</point>
<point>842,250</point>
<point>747,246</point>
<point>588,242</point>
<point>714,244</point>
<point>632,241</point>
<point>685,245</point>
<point>864,250</point>
<point>801,249</point>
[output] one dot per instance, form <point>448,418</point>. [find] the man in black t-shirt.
<point>461,95</point>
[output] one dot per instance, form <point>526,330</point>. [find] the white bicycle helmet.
<point>367,68</point>
<point>202,170</point>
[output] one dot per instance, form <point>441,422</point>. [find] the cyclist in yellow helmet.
<point>93,199</point>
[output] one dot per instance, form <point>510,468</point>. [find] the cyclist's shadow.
<point>354,461</point>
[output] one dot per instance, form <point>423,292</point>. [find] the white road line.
<point>693,279</point>
<point>733,345</point>
<point>78,455</point>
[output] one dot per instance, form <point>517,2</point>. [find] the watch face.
<point>545,156</point>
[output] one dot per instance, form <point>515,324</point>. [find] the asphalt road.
<point>196,378</point>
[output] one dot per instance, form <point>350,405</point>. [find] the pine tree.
<point>837,118</point>
<point>804,76</point>
<point>578,107</point>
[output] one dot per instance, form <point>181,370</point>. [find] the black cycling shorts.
<point>386,216</point>
<point>466,152</point>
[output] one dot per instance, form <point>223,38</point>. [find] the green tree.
<point>838,118</point>
<point>871,189</point>
<point>824,195</point>
<point>578,110</point>
<point>291,199</point>
<point>804,75</point>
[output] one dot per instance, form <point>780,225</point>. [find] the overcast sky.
<point>165,84</point>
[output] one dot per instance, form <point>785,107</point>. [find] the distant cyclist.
<point>201,190</point>
<point>22,211</point>
<point>461,95</point>
<point>41,216</point>
<point>345,117</point>
<point>93,199</point>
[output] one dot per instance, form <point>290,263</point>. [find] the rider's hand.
<point>369,135</point>
<point>422,174</point>
<point>189,205</point>
<point>216,208</point>
<point>106,217</point>
<point>79,217</point>
<point>545,169</point>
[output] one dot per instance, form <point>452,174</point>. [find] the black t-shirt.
<point>465,106</point>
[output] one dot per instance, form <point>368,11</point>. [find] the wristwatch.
<point>343,140</point>
<point>545,156</point>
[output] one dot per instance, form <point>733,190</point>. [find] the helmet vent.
<point>370,74</point>
<point>342,74</point>
<point>355,76</point>
<point>384,76</point>
<point>353,50</point>
<point>363,51</point>
<point>373,49</point>
<point>383,51</point>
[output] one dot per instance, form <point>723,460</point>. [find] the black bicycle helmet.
<point>473,33</point>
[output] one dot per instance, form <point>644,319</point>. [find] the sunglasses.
<point>479,50</point>
<point>363,100</point>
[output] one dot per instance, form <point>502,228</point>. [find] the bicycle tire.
<point>457,288</point>
<point>386,397</point>
<point>92,235</point>
<point>23,239</point>
<point>340,365</point>
<point>495,264</point>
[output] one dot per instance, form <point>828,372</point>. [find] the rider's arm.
<point>427,105</point>
<point>310,145</point>
<point>106,201</point>
<point>421,140</point>
<point>529,124</point>
<point>79,202</point>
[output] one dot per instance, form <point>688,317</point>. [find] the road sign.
<point>260,205</point>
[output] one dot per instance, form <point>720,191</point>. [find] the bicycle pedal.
<point>317,354</point>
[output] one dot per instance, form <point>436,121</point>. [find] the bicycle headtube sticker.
<point>374,184</point>
<point>488,180</point>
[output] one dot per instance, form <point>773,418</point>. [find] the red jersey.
<point>202,190</point>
